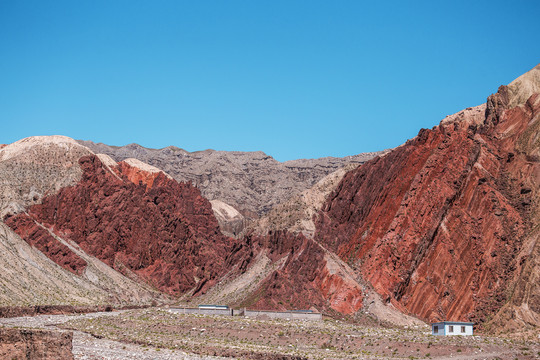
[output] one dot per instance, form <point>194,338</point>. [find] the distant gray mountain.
<point>251,182</point>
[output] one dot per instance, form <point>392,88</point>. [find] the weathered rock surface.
<point>445,226</point>
<point>251,182</point>
<point>231,222</point>
<point>31,278</point>
<point>35,166</point>
<point>20,311</point>
<point>296,214</point>
<point>34,344</point>
<point>284,271</point>
<point>146,225</point>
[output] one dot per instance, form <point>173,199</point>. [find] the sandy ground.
<point>88,347</point>
<point>160,334</point>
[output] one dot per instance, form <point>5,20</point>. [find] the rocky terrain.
<point>296,214</point>
<point>129,223</point>
<point>35,344</point>
<point>245,338</point>
<point>142,225</point>
<point>251,182</point>
<point>231,222</point>
<point>86,346</point>
<point>35,166</point>
<point>30,169</point>
<point>446,225</point>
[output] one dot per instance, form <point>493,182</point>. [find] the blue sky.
<point>295,79</point>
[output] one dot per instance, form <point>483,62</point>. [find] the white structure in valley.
<point>452,328</point>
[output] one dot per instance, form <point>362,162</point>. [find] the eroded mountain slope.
<point>439,225</point>
<point>30,169</point>
<point>135,221</point>
<point>251,182</point>
<point>296,214</point>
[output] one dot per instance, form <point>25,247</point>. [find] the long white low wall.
<point>226,312</point>
<point>284,315</point>
<point>291,315</point>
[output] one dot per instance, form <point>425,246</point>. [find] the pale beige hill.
<point>524,86</point>
<point>234,288</point>
<point>30,169</point>
<point>30,278</point>
<point>473,115</point>
<point>296,214</point>
<point>141,165</point>
<point>231,222</point>
<point>33,167</point>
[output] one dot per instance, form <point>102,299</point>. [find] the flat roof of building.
<point>452,323</point>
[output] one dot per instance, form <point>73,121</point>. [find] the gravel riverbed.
<point>88,347</point>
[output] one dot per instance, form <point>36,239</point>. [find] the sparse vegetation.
<point>239,337</point>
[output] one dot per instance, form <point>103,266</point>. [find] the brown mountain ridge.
<point>444,227</point>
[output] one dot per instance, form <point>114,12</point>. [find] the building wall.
<point>284,315</point>
<point>440,330</point>
<point>249,313</point>
<point>202,311</point>
<point>457,329</point>
<point>444,329</point>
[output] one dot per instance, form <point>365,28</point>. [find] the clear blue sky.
<point>295,79</point>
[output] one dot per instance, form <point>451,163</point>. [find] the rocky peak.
<point>251,182</point>
<point>35,166</point>
<point>521,89</point>
<point>465,192</point>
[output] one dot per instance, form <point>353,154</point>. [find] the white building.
<point>452,328</point>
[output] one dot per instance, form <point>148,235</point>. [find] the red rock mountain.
<point>446,225</point>
<point>147,223</point>
<point>303,275</point>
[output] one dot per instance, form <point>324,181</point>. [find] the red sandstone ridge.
<point>437,225</point>
<point>41,239</point>
<point>160,229</point>
<point>138,172</point>
<point>305,275</point>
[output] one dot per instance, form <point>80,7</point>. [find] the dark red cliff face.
<point>136,175</point>
<point>435,225</point>
<point>164,232</point>
<point>303,279</point>
<point>41,239</point>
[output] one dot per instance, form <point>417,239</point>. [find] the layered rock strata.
<point>140,224</point>
<point>439,225</point>
<point>33,344</point>
<point>251,182</point>
<point>298,274</point>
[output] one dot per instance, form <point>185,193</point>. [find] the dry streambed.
<point>280,339</point>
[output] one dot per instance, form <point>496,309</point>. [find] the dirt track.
<point>159,334</point>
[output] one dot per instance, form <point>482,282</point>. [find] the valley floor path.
<point>88,347</point>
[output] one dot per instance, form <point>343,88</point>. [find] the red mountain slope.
<point>306,276</point>
<point>160,229</point>
<point>437,225</point>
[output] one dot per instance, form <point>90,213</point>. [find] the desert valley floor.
<point>157,333</point>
